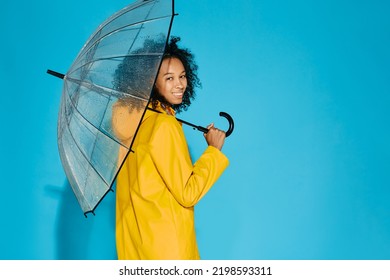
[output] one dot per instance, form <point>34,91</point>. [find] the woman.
<point>158,185</point>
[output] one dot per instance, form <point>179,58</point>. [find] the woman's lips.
<point>178,94</point>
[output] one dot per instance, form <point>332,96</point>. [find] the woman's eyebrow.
<point>170,73</point>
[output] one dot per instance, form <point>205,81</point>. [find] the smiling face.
<point>171,81</point>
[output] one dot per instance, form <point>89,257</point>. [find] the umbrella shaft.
<point>198,127</point>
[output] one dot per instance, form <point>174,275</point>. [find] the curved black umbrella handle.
<point>231,123</point>
<point>204,129</point>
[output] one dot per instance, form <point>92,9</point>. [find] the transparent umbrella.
<point>90,150</point>
<point>105,94</point>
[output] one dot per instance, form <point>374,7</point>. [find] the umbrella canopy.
<point>106,88</point>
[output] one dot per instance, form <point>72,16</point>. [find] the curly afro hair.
<point>132,76</point>
<point>187,58</point>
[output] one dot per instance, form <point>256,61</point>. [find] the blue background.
<point>308,84</point>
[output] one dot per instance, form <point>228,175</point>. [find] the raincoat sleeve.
<point>187,182</point>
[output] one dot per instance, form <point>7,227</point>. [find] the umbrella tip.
<point>55,74</point>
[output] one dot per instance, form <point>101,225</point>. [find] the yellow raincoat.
<point>157,188</point>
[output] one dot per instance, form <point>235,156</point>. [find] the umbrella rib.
<point>79,148</point>
<point>119,14</point>
<point>108,91</point>
<point>115,31</point>
<point>89,162</point>
<point>112,18</point>
<point>140,28</point>
<point>103,132</point>
<point>110,58</point>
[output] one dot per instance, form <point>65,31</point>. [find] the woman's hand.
<point>215,137</point>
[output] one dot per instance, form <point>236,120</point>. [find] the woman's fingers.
<point>215,137</point>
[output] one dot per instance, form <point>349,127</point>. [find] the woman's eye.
<point>183,77</point>
<point>169,78</point>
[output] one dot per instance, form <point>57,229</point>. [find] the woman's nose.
<point>179,83</point>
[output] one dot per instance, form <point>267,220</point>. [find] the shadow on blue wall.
<point>84,238</point>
